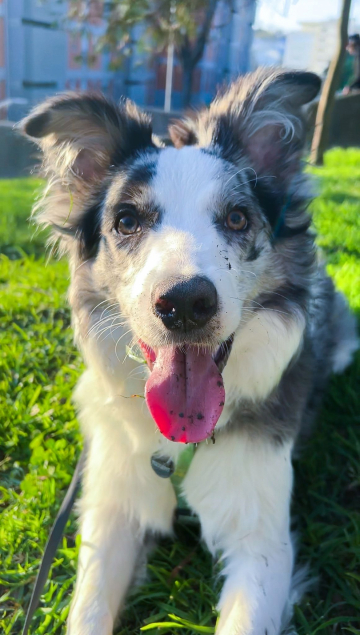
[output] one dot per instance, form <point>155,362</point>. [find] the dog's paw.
<point>234,617</point>
<point>89,622</point>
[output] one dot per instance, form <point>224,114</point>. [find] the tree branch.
<point>204,32</point>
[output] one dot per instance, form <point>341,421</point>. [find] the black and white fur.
<point>291,328</point>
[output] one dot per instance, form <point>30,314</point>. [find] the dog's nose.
<point>186,305</point>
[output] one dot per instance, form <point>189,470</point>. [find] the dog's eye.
<point>236,220</point>
<point>127,224</point>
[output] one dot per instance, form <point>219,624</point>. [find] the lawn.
<point>40,443</point>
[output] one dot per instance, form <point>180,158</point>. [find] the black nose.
<point>186,305</point>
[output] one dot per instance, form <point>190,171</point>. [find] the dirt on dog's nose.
<point>187,304</point>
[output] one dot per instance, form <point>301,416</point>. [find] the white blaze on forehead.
<point>186,185</point>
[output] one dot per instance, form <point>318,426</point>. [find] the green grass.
<point>40,442</point>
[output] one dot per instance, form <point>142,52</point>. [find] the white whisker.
<point>100,323</point>
<point>100,303</point>
<point>238,172</point>
<point>117,343</point>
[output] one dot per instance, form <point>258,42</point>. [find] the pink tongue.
<point>185,394</point>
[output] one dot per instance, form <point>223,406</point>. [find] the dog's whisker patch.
<point>109,330</point>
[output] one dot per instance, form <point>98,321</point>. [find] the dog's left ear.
<point>260,116</point>
<point>271,129</point>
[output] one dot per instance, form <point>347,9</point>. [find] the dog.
<point>200,256</point>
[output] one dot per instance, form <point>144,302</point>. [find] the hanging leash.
<point>53,541</point>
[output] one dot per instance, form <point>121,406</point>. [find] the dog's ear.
<point>260,116</point>
<point>83,137</point>
<point>273,133</point>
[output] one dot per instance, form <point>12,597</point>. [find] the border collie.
<point>201,257</point>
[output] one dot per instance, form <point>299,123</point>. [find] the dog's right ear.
<point>82,135</point>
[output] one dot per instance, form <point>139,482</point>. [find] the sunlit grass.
<point>40,443</point>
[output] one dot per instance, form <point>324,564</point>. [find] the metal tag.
<point>163,466</point>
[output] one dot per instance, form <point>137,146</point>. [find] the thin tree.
<point>326,103</point>
<point>191,50</point>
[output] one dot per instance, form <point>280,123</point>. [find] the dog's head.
<point>180,238</point>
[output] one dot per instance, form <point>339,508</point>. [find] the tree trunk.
<point>326,103</point>
<point>188,72</point>
<point>190,55</point>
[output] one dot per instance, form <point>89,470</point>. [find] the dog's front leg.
<point>109,547</point>
<point>122,500</point>
<point>241,487</point>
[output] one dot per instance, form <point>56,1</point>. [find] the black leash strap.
<point>53,541</point>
